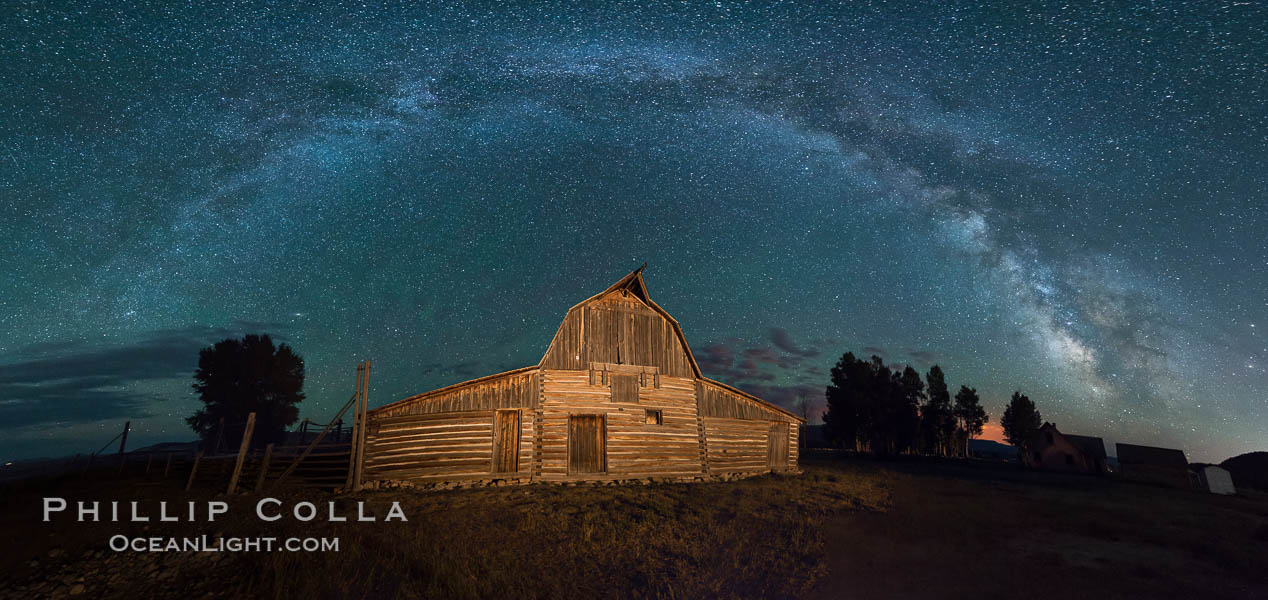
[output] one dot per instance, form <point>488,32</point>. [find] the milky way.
<point>1066,202</point>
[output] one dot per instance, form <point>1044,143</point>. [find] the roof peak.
<point>633,282</point>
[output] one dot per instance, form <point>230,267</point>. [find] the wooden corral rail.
<point>325,467</point>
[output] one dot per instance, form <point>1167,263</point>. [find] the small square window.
<point>654,417</point>
<point>625,388</point>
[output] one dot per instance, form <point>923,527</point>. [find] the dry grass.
<point>846,528</point>
<point>758,537</point>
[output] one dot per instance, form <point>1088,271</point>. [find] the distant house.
<point>1093,448</point>
<point>1167,466</point>
<point>1052,450</point>
<point>1216,480</point>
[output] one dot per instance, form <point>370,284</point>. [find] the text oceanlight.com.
<point>121,543</point>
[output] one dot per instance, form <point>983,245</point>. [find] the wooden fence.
<point>313,455</point>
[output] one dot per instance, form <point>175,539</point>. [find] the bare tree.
<point>803,407</point>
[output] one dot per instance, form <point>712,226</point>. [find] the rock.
<point>55,552</point>
<point>77,589</point>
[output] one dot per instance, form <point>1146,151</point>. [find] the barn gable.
<point>621,325</point>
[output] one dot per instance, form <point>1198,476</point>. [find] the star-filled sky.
<point>1070,201</point>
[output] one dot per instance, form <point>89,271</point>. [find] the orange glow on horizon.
<point>993,432</point>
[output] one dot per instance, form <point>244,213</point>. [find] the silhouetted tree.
<point>868,402</point>
<point>843,419</point>
<point>1021,421</point>
<point>236,377</point>
<point>903,417</point>
<point>937,422</point>
<point>803,408</point>
<point>969,412</point>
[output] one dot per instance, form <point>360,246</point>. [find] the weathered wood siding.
<point>617,328</point>
<point>439,446</point>
<point>744,445</point>
<point>635,448</point>
<point>736,445</point>
<point>717,401</point>
<point>737,430</point>
<point>517,389</point>
<point>794,445</point>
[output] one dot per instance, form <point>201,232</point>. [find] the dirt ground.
<point>846,528</point>
<point>980,530</point>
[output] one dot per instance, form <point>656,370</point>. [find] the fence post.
<point>309,449</point>
<point>242,452</point>
<point>220,435</point>
<point>264,468</point>
<point>149,458</point>
<point>167,466</point>
<point>359,456</point>
<point>194,471</point>
<point>123,460</point>
<point>124,442</point>
<point>352,450</point>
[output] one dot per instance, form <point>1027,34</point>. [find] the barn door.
<point>587,444</point>
<point>506,441</point>
<point>777,446</point>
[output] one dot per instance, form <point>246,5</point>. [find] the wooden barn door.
<point>506,441</point>
<point>587,444</point>
<point>777,446</point>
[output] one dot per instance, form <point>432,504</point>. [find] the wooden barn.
<point>1052,450</point>
<point>1166,466</point>
<point>616,396</point>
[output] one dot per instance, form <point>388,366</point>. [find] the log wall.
<point>440,446</point>
<point>635,448</point>
<point>742,445</point>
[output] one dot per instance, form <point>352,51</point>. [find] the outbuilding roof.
<point>1089,445</point>
<point>1151,455</point>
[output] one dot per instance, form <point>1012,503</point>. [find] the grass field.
<point>846,528</point>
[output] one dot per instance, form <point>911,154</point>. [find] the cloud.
<point>761,354</point>
<point>716,357</point>
<point>923,356</point>
<point>783,340</point>
<point>81,381</point>
<point>787,396</point>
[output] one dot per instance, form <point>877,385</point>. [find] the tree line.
<point>875,407</point>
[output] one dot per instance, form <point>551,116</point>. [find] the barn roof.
<point>1151,455</point>
<point>1091,446</point>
